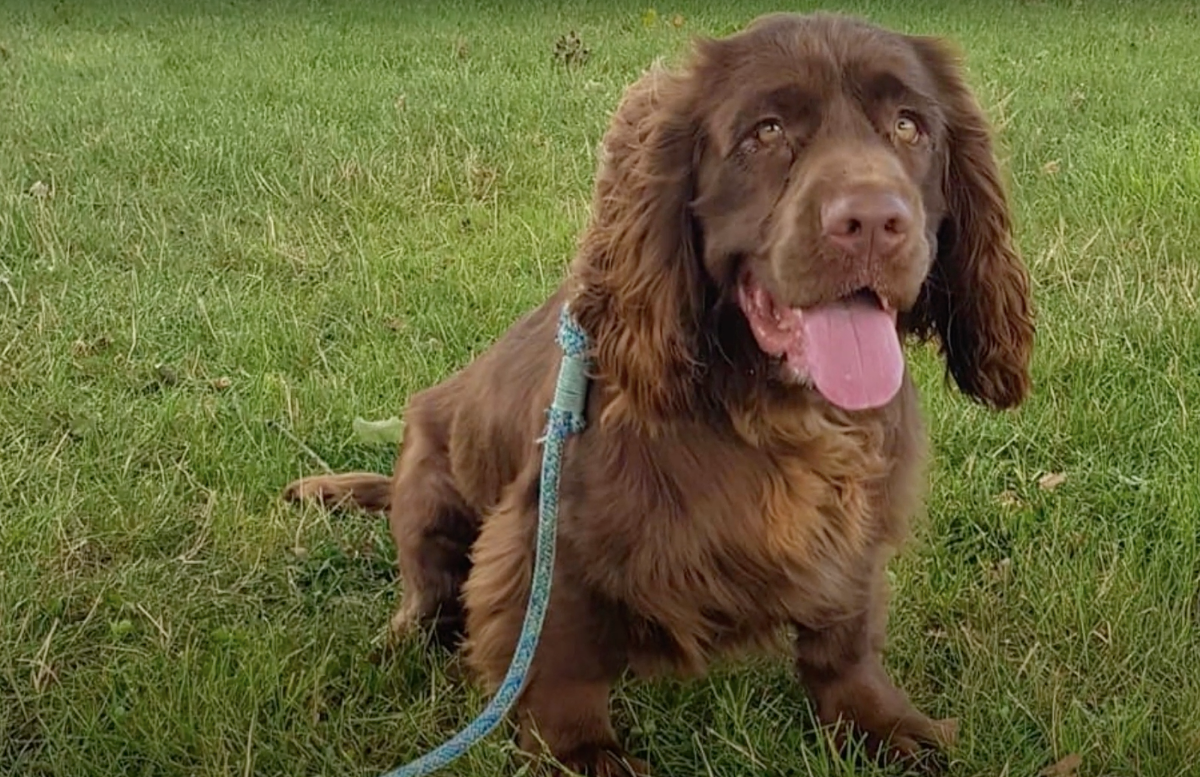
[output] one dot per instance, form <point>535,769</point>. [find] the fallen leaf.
<point>165,375</point>
<point>118,629</point>
<point>999,572</point>
<point>1052,167</point>
<point>1064,768</point>
<point>569,49</point>
<point>1008,498</point>
<point>1051,481</point>
<point>389,431</point>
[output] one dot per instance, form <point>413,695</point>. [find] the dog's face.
<point>818,195</point>
<point>819,171</point>
<point>833,180</point>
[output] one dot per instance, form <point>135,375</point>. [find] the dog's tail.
<point>366,491</point>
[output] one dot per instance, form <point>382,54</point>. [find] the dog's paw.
<point>310,489</point>
<point>600,761</point>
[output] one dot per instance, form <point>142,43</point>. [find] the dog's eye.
<point>906,130</point>
<point>768,132</point>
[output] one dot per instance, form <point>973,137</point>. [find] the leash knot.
<point>565,415</point>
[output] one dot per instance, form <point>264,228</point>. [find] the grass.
<point>218,220</point>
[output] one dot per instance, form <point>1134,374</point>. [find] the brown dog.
<point>769,222</point>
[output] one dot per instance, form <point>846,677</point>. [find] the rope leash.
<point>564,418</point>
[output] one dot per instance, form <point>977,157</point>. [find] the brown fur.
<point>710,502</point>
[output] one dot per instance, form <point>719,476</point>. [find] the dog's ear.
<point>637,277</point>
<point>977,296</point>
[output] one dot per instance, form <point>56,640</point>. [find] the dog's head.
<point>832,180</point>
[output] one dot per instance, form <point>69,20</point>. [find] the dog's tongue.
<point>851,352</point>
<point>848,349</point>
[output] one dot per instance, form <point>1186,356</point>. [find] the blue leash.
<point>565,417</point>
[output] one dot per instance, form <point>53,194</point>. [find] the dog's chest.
<point>725,545</point>
<point>797,551</point>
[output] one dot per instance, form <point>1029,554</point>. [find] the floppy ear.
<point>977,296</point>
<point>637,281</point>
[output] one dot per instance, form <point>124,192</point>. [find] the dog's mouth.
<point>848,349</point>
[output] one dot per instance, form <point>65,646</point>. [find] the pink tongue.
<point>852,353</point>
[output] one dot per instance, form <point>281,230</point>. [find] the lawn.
<point>228,229</point>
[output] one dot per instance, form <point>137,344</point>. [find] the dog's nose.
<point>867,223</point>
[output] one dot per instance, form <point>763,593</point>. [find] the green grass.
<point>287,214</point>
